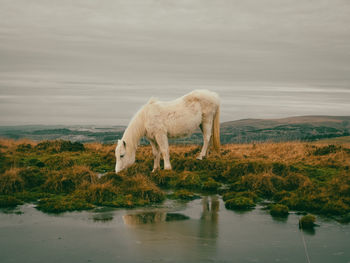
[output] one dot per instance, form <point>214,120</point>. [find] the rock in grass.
<point>240,203</point>
<point>307,222</point>
<point>279,210</point>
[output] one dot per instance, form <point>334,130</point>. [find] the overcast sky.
<point>98,61</point>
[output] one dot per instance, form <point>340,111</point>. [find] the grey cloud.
<point>99,61</point>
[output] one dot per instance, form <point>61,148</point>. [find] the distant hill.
<point>84,133</point>
<point>303,128</point>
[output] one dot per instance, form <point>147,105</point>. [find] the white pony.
<point>158,120</point>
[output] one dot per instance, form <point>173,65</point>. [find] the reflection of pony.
<point>158,120</point>
<point>152,217</point>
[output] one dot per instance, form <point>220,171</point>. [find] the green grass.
<point>60,176</point>
<point>279,210</point>
<point>307,222</point>
<point>336,140</point>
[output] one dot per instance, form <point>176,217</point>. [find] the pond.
<point>202,230</point>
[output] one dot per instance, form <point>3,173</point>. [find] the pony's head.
<point>124,156</point>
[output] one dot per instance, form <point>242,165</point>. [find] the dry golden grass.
<point>98,147</point>
<point>302,175</point>
<point>97,193</point>
<point>11,182</point>
<point>11,145</point>
<point>284,152</point>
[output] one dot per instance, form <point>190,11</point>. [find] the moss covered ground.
<point>62,176</point>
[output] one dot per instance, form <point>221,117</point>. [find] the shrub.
<point>163,177</point>
<point>189,180</point>
<point>279,210</point>
<point>60,183</point>
<point>327,150</point>
<point>26,196</point>
<point>24,147</point>
<point>3,162</point>
<point>36,162</point>
<point>345,219</point>
<point>61,204</point>
<point>335,207</point>
<point>58,162</point>
<point>280,169</point>
<point>307,222</point>
<point>211,185</point>
<point>265,184</point>
<point>340,185</point>
<point>281,195</point>
<point>247,194</point>
<point>112,177</point>
<point>294,181</point>
<point>59,146</point>
<point>98,194</point>
<point>185,195</point>
<point>67,181</point>
<point>240,203</point>
<point>9,201</point>
<point>229,195</point>
<point>238,186</point>
<point>32,177</point>
<point>141,187</point>
<point>11,182</point>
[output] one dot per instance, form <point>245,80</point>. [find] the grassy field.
<point>336,140</point>
<point>62,176</point>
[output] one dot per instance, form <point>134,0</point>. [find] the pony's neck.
<point>135,131</point>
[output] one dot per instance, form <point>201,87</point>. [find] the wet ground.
<point>198,231</point>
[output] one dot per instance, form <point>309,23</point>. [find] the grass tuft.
<point>240,203</point>
<point>311,177</point>
<point>307,222</point>
<point>279,210</point>
<point>9,201</point>
<point>11,182</point>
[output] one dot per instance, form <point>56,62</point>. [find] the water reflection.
<point>208,224</point>
<point>208,235</point>
<point>308,231</point>
<point>193,232</point>
<point>152,217</point>
<point>282,219</point>
<point>208,220</point>
<point>175,217</point>
<point>144,218</point>
<point>103,217</point>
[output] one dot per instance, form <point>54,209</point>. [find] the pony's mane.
<point>152,100</point>
<point>136,129</point>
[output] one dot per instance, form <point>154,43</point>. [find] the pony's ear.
<point>124,143</point>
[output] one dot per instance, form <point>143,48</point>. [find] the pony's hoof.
<point>199,157</point>
<point>155,169</point>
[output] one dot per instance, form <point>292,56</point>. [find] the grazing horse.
<point>158,120</point>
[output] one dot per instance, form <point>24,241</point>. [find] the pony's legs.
<point>162,141</point>
<point>156,154</point>
<point>206,129</point>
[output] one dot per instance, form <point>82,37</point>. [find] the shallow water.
<point>198,231</point>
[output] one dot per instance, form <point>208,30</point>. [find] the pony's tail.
<point>216,130</point>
